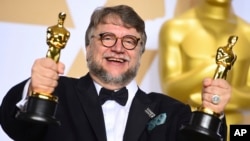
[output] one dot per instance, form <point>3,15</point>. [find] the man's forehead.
<point>113,19</point>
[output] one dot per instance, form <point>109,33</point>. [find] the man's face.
<point>114,65</point>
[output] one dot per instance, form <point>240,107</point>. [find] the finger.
<point>48,63</point>
<point>206,97</point>
<point>45,67</point>
<point>215,108</point>
<point>222,83</point>
<point>44,73</point>
<point>43,85</point>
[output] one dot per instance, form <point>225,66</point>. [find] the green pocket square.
<point>158,120</point>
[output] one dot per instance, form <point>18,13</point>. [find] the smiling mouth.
<point>119,60</point>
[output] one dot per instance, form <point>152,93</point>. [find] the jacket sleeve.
<point>16,129</point>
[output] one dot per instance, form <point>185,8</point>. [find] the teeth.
<point>116,59</point>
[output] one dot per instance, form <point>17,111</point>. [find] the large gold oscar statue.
<point>188,45</point>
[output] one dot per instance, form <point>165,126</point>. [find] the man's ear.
<point>87,48</point>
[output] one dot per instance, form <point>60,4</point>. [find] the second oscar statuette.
<point>41,107</point>
<point>204,124</point>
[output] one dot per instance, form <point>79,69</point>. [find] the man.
<point>115,41</point>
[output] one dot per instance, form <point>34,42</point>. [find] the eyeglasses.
<point>108,40</point>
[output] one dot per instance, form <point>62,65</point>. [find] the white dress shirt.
<point>115,115</point>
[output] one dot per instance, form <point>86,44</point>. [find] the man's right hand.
<point>44,75</point>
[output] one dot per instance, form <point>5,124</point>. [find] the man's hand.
<point>218,87</point>
<point>45,74</point>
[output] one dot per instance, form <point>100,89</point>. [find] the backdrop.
<point>23,27</point>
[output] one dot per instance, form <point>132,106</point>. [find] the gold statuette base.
<point>40,110</point>
<point>202,127</point>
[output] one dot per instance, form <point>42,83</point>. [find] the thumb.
<point>60,68</point>
<point>207,82</point>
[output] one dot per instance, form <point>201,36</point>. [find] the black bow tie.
<point>120,96</point>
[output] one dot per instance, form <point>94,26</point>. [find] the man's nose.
<point>118,47</point>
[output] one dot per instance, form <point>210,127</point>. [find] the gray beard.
<point>106,77</point>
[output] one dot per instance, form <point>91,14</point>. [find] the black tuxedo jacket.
<point>81,116</point>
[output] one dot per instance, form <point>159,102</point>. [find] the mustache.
<point>117,56</point>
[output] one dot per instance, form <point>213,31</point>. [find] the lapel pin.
<point>150,113</point>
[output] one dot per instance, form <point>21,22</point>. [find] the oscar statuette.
<point>41,107</point>
<point>204,124</point>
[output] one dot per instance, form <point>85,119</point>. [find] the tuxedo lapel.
<point>138,118</point>
<point>91,106</point>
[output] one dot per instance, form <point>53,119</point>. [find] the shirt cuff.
<point>24,99</point>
